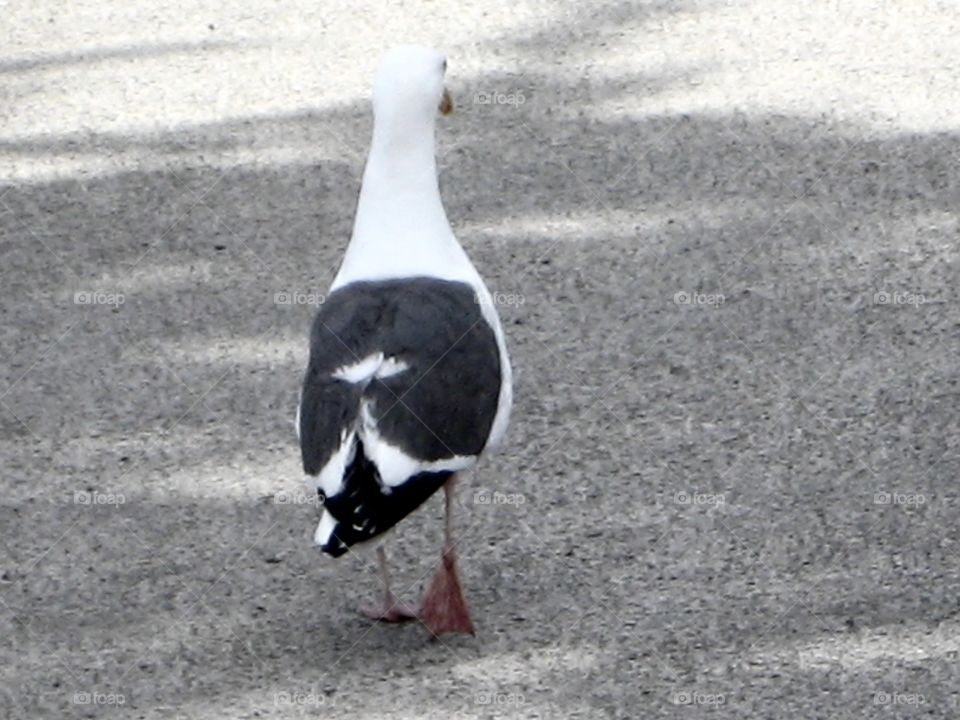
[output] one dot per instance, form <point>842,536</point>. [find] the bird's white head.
<point>408,89</point>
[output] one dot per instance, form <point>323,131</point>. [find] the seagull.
<point>409,381</point>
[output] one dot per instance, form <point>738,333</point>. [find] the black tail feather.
<point>365,507</point>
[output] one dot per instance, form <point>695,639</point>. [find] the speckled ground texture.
<point>724,237</point>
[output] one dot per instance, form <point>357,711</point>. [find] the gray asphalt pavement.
<point>724,239</point>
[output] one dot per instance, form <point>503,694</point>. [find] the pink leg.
<point>392,609</point>
<point>443,608</point>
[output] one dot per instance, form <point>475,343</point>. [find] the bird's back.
<point>402,390</point>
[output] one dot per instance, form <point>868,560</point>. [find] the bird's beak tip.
<point>446,103</point>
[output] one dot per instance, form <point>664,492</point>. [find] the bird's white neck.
<point>401,228</point>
